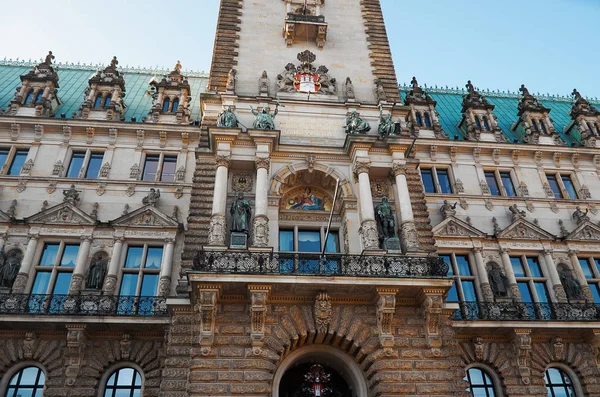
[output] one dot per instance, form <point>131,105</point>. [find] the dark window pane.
<point>490,178</point>
<point>175,105</point>
<point>486,125</point>
<point>39,96</point>
<point>61,285</point>
<point>75,165</point>
<point>427,120</point>
<point>507,183</point>
<point>554,186</point>
<point>333,242</point>
<point>525,292</point>
<point>309,241</point>
<point>534,266</point>
<point>453,294</point>
<point>153,258</point>
<point>462,261</point>
<point>49,255</point>
<point>569,187</point>
<point>98,101</point>
<point>542,292</point>
<point>69,256</point>
<point>419,119</point>
<point>128,285</point>
<point>168,169</point>
<point>166,104</point>
<point>41,282</point>
<point>17,162</point>
<point>3,156</point>
<point>107,101</point>
<point>149,284</point>
<point>517,266</point>
<point>586,268</point>
<point>595,292</point>
<point>477,122</point>
<point>447,259</point>
<point>28,97</point>
<point>597,262</point>
<point>134,257</point>
<point>286,240</point>
<point>94,165</point>
<point>468,288</point>
<point>150,168</point>
<point>543,126</point>
<point>427,177</point>
<point>444,181</point>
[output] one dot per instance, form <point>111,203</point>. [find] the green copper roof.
<point>449,106</point>
<point>74,80</point>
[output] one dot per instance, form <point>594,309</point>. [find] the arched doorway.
<point>293,378</point>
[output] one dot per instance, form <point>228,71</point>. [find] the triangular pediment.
<point>587,231</point>
<point>4,217</point>
<point>454,227</point>
<point>62,214</point>
<point>147,216</point>
<point>523,229</point>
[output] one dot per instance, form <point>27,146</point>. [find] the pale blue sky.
<point>550,45</point>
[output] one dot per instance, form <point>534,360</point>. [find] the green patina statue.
<point>240,214</point>
<point>356,125</point>
<point>227,119</point>
<point>265,120</point>
<point>387,126</point>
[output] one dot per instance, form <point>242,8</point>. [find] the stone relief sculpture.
<point>9,267</point>
<point>356,125</point>
<point>97,272</point>
<point>71,195</point>
<point>306,78</point>
<point>227,119</point>
<point>240,214</point>
<point>580,216</point>
<point>516,213</point>
<point>231,77</point>
<point>349,89</point>
<point>570,283</point>
<point>498,282</point>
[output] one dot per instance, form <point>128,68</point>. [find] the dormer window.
<point>28,97</point>
<point>39,96</point>
<point>486,124</point>
<point>107,101</point>
<point>543,127</point>
<point>175,105</point>
<point>419,119</point>
<point>427,120</point>
<point>166,104</point>
<point>477,122</point>
<point>98,101</point>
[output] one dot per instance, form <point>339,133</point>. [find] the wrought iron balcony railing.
<point>517,311</point>
<point>305,18</point>
<point>282,263</point>
<point>84,305</point>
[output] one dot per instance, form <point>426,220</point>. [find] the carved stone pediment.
<point>146,216</point>
<point>4,217</point>
<point>62,214</point>
<point>523,229</point>
<point>587,231</point>
<point>454,227</point>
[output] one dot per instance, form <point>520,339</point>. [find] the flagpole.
<point>337,186</point>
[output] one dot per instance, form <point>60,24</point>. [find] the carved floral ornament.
<point>223,160</point>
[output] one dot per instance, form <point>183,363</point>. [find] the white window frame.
<point>563,191</point>
<point>436,181</point>
<point>322,230</point>
<point>159,168</point>
<point>141,271</point>
<point>86,162</point>
<point>500,183</point>
<point>12,151</point>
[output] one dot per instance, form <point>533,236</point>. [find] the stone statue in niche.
<point>386,226</point>
<point>265,120</point>
<point>263,84</point>
<point>240,214</point>
<point>96,273</point>
<point>356,125</point>
<point>387,126</point>
<point>498,282</point>
<point>570,283</point>
<point>9,267</point>
<point>349,89</point>
<point>227,119</point>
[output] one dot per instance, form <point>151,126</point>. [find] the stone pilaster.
<point>409,235</point>
<point>260,226</point>
<point>218,223</point>
<point>21,280</point>
<point>368,227</point>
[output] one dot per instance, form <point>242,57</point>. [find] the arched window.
<point>419,119</point>
<point>558,383</point>
<point>39,95</point>
<point>427,120</point>
<point>166,104</point>
<point>29,381</point>
<point>480,383</point>
<point>28,98</point>
<point>107,100</point>
<point>175,105</point>
<point>486,124</point>
<point>124,382</point>
<point>477,122</point>
<point>98,101</point>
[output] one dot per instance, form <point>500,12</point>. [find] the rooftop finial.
<point>177,67</point>
<point>576,94</point>
<point>469,86</point>
<point>49,58</point>
<point>524,90</point>
<point>114,62</point>
<point>414,83</point>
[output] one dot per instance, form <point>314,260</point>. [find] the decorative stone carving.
<point>459,186</point>
<point>125,346</point>
<point>370,237</point>
<point>12,210</point>
<point>178,192</point>
<point>260,231</point>
<point>571,285</point>
<point>563,230</point>
<point>498,282</point>
<point>386,225</point>
<point>218,230</point>
<point>101,189</point>
<point>479,347</point>
<point>76,341</point>
<point>130,190</point>
<point>584,192</point>
<point>432,307</point>
<point>26,169</point>
<point>379,91</point>
<point>29,344</point>
<point>170,98</point>
<point>409,237</point>
<point>152,197</point>
<point>242,182</point>
<point>306,78</point>
<point>356,125</point>
<point>21,186</point>
<point>361,166</point>
<point>10,264</point>
<point>447,210</point>
<point>579,216</point>
<point>134,171</point>
<point>259,295</point>
<point>206,307</point>
<point>104,170</point>
<point>263,84</point>
<point>386,308</point>
<point>523,190</point>
<point>164,286</point>
<point>387,126</point>
<point>349,90</point>
<point>104,96</point>
<point>380,188</point>
<point>222,160</point>
<point>489,204</point>
<point>516,213</point>
<point>522,348</point>
<point>485,189</point>
<point>323,312</point>
<point>262,162</point>
<point>71,195</point>
<point>557,348</point>
<point>231,79</point>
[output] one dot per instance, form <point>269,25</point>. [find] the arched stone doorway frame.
<point>337,359</point>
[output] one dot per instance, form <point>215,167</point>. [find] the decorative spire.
<point>49,58</point>
<point>417,94</point>
<point>114,62</point>
<point>582,106</point>
<point>529,103</point>
<point>177,68</point>
<point>474,99</point>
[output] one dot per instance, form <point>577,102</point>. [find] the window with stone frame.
<point>500,182</point>
<point>591,270</point>
<point>85,164</point>
<point>29,381</point>
<point>124,382</point>
<point>12,160</point>
<point>437,179</point>
<point>532,283</point>
<point>480,383</point>
<point>159,168</point>
<point>559,383</point>
<point>461,269</point>
<point>139,279</point>
<point>562,185</point>
<point>308,241</point>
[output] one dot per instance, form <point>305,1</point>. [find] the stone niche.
<point>304,22</point>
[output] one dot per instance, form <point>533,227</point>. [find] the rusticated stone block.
<point>230,376</point>
<point>231,341</point>
<point>407,331</point>
<point>232,329</point>
<point>400,365</point>
<point>237,308</point>
<point>442,389</point>
<point>171,384</point>
<point>257,376</point>
<point>251,388</point>
<point>439,376</point>
<point>432,364</point>
<point>203,376</point>
<point>209,364</point>
<point>231,352</point>
<point>218,389</point>
<point>411,353</point>
<point>415,377</point>
<point>252,364</point>
<point>178,351</point>
<point>394,388</point>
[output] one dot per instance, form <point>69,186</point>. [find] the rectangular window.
<point>525,292</point>
<point>517,266</point>
<point>75,165</point>
<point>85,164</point>
<point>500,183</point>
<point>462,265</point>
<point>169,168</point>
<point>18,161</point>
<point>286,240</point>
<point>553,182</point>
<point>333,242</point>
<point>94,165</point>
<point>309,241</point>
<point>591,271</point>
<point>534,266</point>
<point>436,180</point>
<point>160,168</point>
<point>3,156</point>
<point>569,187</point>
<point>531,282</point>
<point>490,178</point>
<point>463,289</point>
<point>150,168</point>
<point>141,271</point>
<point>55,268</point>
<point>586,268</point>
<point>507,183</point>
<point>562,186</point>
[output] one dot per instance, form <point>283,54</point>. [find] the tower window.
<point>98,101</point>
<point>28,97</point>
<point>477,122</point>
<point>486,124</point>
<point>543,126</point>
<point>436,180</point>
<point>418,119</point>
<point>427,120</point>
<point>107,101</point>
<point>166,104</point>
<point>175,105</point>
<point>38,97</point>
<point>17,162</point>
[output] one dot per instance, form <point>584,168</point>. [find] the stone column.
<point>260,226</point>
<point>510,275</point>
<point>559,291</point>
<point>218,223</point>
<point>110,283</point>
<point>77,283</point>
<point>586,293</point>
<point>368,226</point>
<point>484,281</point>
<point>26,264</point>
<point>164,285</point>
<point>408,230</point>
